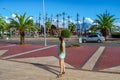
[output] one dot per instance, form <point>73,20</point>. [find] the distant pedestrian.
<point>62,55</point>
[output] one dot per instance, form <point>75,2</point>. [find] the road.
<point>55,41</point>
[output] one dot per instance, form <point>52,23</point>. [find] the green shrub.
<point>65,33</point>
<point>116,35</point>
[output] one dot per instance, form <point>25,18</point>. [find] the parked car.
<point>93,38</point>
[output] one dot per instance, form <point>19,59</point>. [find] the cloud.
<point>80,22</point>
<point>117,24</point>
<point>6,17</point>
<point>86,20</point>
<point>89,20</point>
<point>13,15</point>
<point>31,17</point>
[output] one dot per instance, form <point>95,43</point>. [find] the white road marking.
<point>2,52</point>
<point>27,52</point>
<point>8,46</point>
<point>92,61</point>
<point>113,69</point>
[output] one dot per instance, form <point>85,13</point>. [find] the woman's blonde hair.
<point>61,43</point>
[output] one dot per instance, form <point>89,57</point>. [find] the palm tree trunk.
<point>2,35</point>
<point>110,32</point>
<point>104,33</point>
<point>22,37</point>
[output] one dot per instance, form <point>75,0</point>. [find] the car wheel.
<point>99,41</point>
<point>84,41</point>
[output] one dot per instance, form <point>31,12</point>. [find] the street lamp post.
<point>83,23</point>
<point>43,13</point>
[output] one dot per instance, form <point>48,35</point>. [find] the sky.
<point>85,8</point>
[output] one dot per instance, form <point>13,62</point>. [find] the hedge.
<point>65,33</point>
<point>116,35</point>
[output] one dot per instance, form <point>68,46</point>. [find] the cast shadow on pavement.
<point>46,67</point>
<point>51,68</point>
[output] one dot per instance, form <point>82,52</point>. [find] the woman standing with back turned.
<point>61,54</point>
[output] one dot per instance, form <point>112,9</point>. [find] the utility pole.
<point>83,23</point>
<point>43,10</point>
<point>39,20</point>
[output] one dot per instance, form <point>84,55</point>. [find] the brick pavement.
<point>42,63</point>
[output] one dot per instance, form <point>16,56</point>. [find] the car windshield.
<point>92,36</point>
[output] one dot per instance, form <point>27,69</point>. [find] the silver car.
<point>93,37</point>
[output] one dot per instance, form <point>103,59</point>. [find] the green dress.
<point>63,54</point>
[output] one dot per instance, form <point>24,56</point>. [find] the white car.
<point>93,38</point>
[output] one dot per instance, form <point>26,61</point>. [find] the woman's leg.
<point>63,67</point>
<point>60,66</point>
<point>61,63</point>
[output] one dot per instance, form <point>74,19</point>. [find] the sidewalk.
<point>46,65</point>
<point>33,69</point>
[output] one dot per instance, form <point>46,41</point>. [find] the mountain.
<point>83,25</point>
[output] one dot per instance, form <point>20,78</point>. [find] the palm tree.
<point>22,23</point>
<point>48,26</point>
<point>68,20</point>
<point>77,18</point>
<point>53,30</point>
<point>58,19</point>
<point>51,18</point>
<point>3,26</point>
<point>46,17</point>
<point>72,27</point>
<point>64,19</point>
<point>105,23</point>
<point>93,28</point>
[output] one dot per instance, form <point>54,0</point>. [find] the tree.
<point>48,26</point>
<point>3,26</point>
<point>72,27</point>
<point>64,19</point>
<point>105,23</point>
<point>22,23</point>
<point>93,28</point>
<point>68,20</point>
<point>65,33</point>
<point>53,30</point>
<point>58,19</point>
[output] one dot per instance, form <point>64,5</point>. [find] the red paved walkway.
<point>19,48</point>
<point>41,53</point>
<point>110,58</point>
<point>76,57</point>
